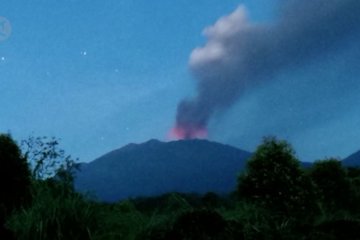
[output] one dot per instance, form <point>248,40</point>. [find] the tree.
<point>14,175</point>
<point>57,211</point>
<point>274,180</point>
<point>332,186</point>
<point>15,179</point>
<point>48,160</point>
<point>353,176</point>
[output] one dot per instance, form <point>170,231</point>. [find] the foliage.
<point>56,213</point>
<point>14,177</point>
<point>274,180</point>
<point>353,177</point>
<point>277,200</point>
<point>336,229</point>
<point>332,185</point>
<point>198,224</point>
<point>47,159</point>
<point>15,183</point>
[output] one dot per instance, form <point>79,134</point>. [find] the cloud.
<point>225,28</point>
<point>240,54</point>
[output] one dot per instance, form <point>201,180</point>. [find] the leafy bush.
<point>275,181</point>
<point>332,186</point>
<point>56,214</point>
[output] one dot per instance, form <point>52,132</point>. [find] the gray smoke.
<point>240,54</point>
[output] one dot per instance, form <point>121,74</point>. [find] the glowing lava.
<point>179,132</point>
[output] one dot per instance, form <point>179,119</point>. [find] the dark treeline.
<point>275,199</point>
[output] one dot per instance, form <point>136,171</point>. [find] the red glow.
<point>178,133</point>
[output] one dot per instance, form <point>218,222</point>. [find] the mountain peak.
<point>155,167</point>
<point>153,141</point>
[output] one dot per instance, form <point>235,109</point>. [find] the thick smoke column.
<point>240,54</point>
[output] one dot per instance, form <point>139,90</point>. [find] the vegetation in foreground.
<point>275,199</point>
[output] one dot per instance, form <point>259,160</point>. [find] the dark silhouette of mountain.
<point>155,167</point>
<point>353,160</point>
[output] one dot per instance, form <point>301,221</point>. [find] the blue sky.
<point>101,74</point>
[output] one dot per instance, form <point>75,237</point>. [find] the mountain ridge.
<point>155,167</point>
<point>352,160</point>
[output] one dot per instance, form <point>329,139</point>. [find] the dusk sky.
<point>102,74</point>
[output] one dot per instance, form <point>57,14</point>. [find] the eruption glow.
<point>179,132</point>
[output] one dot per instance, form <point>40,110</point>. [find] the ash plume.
<point>240,54</point>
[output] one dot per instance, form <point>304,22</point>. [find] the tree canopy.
<point>275,180</point>
<point>15,176</point>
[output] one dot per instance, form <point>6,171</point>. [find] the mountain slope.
<point>156,167</point>
<point>353,160</point>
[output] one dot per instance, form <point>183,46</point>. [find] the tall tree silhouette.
<point>15,181</point>
<point>275,180</point>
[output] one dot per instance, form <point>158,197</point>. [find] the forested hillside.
<point>274,198</point>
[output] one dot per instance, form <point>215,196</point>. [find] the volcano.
<point>154,168</point>
<point>181,133</point>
